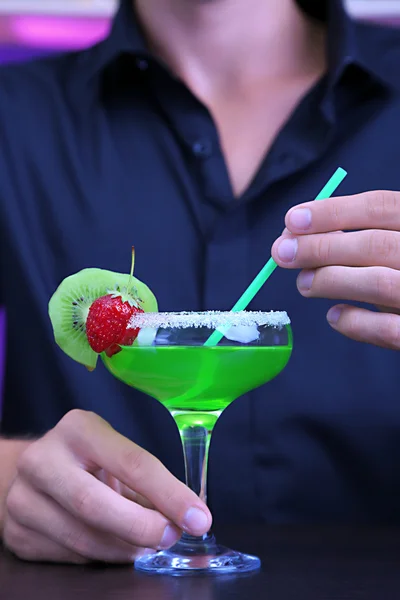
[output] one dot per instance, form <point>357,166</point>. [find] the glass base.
<point>193,556</point>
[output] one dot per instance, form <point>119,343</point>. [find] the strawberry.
<point>108,319</point>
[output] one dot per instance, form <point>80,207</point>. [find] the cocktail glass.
<point>170,361</point>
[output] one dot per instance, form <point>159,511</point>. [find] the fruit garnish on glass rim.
<point>90,312</point>
<point>109,315</point>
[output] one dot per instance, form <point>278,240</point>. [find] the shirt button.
<point>142,64</point>
<point>202,148</point>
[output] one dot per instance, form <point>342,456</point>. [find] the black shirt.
<point>104,148</point>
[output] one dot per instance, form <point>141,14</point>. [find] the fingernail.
<point>333,315</point>
<point>287,250</point>
<point>304,280</point>
<point>300,218</point>
<point>170,537</point>
<point>196,521</point>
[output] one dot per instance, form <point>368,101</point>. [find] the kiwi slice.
<point>70,303</point>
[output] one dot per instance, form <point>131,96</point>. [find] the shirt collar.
<point>374,50</point>
<point>354,43</point>
<point>125,37</point>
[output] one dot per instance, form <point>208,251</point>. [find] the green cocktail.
<point>196,382</point>
<point>197,379</point>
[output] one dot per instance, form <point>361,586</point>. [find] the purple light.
<point>58,33</point>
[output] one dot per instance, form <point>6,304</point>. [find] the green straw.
<point>271,265</point>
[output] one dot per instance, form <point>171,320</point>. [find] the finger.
<point>108,480</point>
<point>29,545</point>
<point>289,234</point>
<point>379,329</point>
<point>370,210</point>
<point>358,249</point>
<point>135,497</point>
<point>121,489</point>
<point>40,513</point>
<point>98,443</point>
<point>98,506</point>
<point>373,285</point>
<point>286,233</point>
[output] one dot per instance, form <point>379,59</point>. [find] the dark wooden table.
<point>298,564</point>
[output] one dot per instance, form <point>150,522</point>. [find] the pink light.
<point>58,33</point>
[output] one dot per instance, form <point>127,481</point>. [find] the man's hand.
<point>85,493</point>
<point>349,249</point>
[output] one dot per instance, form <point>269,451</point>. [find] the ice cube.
<point>244,334</point>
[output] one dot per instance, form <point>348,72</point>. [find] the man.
<point>191,132</point>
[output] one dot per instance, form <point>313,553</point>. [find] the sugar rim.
<point>210,319</point>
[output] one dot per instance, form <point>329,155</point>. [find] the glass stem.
<point>195,430</point>
<point>196,444</point>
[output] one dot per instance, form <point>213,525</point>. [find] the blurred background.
<point>30,28</point>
